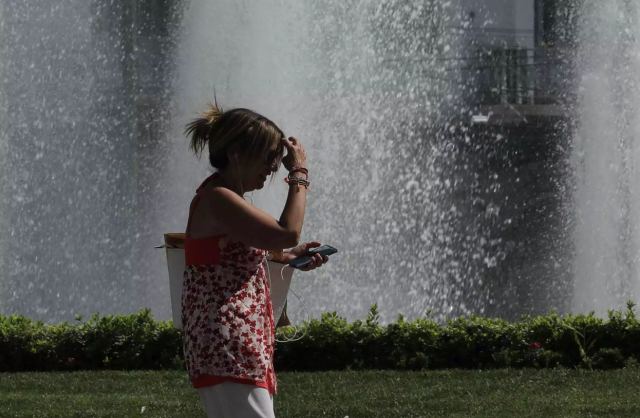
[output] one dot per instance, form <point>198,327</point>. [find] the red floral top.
<point>228,326</point>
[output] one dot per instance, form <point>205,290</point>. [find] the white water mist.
<point>607,157</point>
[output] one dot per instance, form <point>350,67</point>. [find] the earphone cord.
<point>303,333</point>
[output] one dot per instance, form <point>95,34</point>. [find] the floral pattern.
<point>227,317</point>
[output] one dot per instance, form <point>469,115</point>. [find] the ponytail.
<point>199,130</point>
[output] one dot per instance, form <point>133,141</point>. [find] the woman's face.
<point>257,171</point>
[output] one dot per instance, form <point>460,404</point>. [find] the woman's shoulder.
<point>205,210</point>
<point>221,199</point>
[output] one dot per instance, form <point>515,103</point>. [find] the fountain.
<point>363,86</point>
<point>436,208</point>
<point>605,155</point>
<point>84,98</point>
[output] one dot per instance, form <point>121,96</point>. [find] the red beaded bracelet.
<point>299,169</point>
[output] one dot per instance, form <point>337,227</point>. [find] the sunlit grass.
<point>442,393</point>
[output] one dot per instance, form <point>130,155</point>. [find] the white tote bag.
<point>174,247</point>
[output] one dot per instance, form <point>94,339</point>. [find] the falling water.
<point>431,214</point>
<point>370,91</point>
<point>607,157</point>
<point>83,91</point>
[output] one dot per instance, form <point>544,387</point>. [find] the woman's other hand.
<point>296,156</point>
<point>316,260</point>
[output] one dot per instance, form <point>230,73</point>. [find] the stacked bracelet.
<point>297,180</point>
<point>291,179</point>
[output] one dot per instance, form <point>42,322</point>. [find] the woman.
<point>229,330</point>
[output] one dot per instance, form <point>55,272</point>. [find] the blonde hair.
<point>241,131</point>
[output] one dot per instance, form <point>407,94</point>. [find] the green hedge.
<point>474,342</point>
<point>137,341</point>
<point>103,342</point>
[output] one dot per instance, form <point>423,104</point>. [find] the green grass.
<point>442,393</point>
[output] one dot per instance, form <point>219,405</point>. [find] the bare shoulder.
<point>224,204</point>
<point>219,196</point>
<point>207,217</point>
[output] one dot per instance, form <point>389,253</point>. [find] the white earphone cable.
<point>298,333</point>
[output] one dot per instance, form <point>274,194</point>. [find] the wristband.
<point>299,169</point>
<point>297,180</point>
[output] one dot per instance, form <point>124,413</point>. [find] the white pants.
<point>236,400</point>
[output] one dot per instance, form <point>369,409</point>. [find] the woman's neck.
<point>231,182</point>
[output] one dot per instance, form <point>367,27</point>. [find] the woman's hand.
<point>296,156</point>
<point>316,260</point>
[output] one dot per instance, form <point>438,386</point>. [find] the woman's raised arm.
<point>244,222</point>
<point>255,227</point>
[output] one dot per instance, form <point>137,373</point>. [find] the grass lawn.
<point>442,393</point>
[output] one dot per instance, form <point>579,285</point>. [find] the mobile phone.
<point>303,260</point>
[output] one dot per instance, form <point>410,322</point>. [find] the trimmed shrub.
<point>137,341</point>
<point>103,342</point>
<point>608,358</point>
